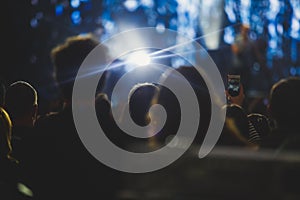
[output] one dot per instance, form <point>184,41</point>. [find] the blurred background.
<point>32,27</point>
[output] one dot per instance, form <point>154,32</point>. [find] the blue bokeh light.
<point>76,17</point>
<point>59,9</point>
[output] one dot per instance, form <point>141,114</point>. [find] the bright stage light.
<point>75,3</point>
<point>139,58</point>
<point>131,5</point>
<point>210,21</point>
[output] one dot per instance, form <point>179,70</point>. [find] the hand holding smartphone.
<point>235,92</point>
<point>234,82</point>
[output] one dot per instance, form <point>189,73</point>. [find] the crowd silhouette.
<point>45,155</point>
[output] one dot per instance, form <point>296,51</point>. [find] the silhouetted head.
<point>140,100</point>
<point>284,103</point>
<point>21,101</point>
<point>68,57</point>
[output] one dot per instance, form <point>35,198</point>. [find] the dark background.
<point>31,28</point>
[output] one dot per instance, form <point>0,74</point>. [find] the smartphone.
<point>234,84</point>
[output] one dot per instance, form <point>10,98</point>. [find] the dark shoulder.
<point>47,119</point>
<point>273,140</point>
<point>45,125</point>
<point>55,122</point>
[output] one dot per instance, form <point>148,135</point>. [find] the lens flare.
<point>139,58</point>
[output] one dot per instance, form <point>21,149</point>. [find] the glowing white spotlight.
<point>131,5</point>
<point>139,58</point>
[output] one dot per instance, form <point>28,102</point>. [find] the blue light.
<point>108,25</point>
<point>273,9</point>
<point>253,36</point>
<point>75,3</point>
<point>295,24</point>
<point>294,51</point>
<point>229,35</point>
<point>131,5</point>
<point>245,11</point>
<point>272,30</point>
<point>147,3</point>
<point>273,44</point>
<point>297,12</point>
<point>162,10</point>
<point>295,27</point>
<point>34,2</point>
<point>160,27</point>
<point>59,9</point>
<point>34,23</point>
<point>229,11</point>
<point>295,34</point>
<point>76,17</point>
<point>173,24</point>
<point>280,29</point>
<point>87,5</point>
<point>293,71</point>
